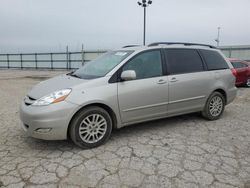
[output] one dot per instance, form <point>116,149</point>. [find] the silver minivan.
<point>127,86</point>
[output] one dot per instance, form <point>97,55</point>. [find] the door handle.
<point>161,81</point>
<point>173,79</point>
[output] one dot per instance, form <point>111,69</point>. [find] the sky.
<point>51,25</point>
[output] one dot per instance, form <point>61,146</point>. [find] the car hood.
<point>54,84</point>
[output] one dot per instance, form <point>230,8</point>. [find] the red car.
<point>242,69</point>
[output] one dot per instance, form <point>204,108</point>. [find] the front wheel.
<point>91,127</point>
<point>214,106</point>
<point>248,82</point>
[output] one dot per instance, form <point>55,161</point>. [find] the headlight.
<point>54,97</point>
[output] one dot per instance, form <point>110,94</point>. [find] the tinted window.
<point>244,65</point>
<point>146,65</point>
<point>183,61</point>
<point>236,65</point>
<point>214,60</point>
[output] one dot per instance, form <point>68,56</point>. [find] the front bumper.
<point>47,122</point>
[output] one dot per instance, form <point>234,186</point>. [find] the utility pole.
<point>67,56</point>
<point>218,37</point>
<point>144,4</point>
<point>82,54</point>
<point>144,28</point>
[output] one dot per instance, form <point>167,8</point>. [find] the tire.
<point>94,122</point>
<point>248,82</point>
<point>214,107</point>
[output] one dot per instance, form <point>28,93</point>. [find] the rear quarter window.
<point>214,60</point>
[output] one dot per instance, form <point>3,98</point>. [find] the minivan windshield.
<point>102,65</point>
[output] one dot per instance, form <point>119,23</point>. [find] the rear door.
<point>221,75</point>
<point>189,84</point>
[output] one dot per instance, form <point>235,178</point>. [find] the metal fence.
<point>74,60</point>
<point>239,52</point>
<point>64,60</point>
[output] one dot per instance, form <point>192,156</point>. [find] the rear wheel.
<point>91,127</point>
<point>214,106</point>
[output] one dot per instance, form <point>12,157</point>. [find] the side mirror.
<point>128,75</point>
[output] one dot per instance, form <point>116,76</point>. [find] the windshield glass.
<point>102,65</point>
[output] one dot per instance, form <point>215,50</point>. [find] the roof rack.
<point>184,43</point>
<point>130,46</point>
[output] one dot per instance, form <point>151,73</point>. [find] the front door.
<point>146,97</point>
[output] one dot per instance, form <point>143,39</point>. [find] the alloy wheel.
<point>215,106</point>
<point>93,128</point>
<point>248,82</point>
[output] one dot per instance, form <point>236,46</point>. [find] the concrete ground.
<point>184,151</point>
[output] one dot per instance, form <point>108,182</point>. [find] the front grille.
<point>29,100</point>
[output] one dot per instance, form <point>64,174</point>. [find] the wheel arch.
<point>101,105</point>
<point>223,92</point>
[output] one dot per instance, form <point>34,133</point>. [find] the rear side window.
<point>182,61</point>
<point>214,60</point>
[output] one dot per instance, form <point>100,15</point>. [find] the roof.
<point>233,59</point>
<point>169,45</point>
<point>181,43</point>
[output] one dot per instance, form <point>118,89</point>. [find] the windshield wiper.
<point>73,75</point>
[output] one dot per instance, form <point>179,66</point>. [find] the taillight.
<point>234,72</point>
